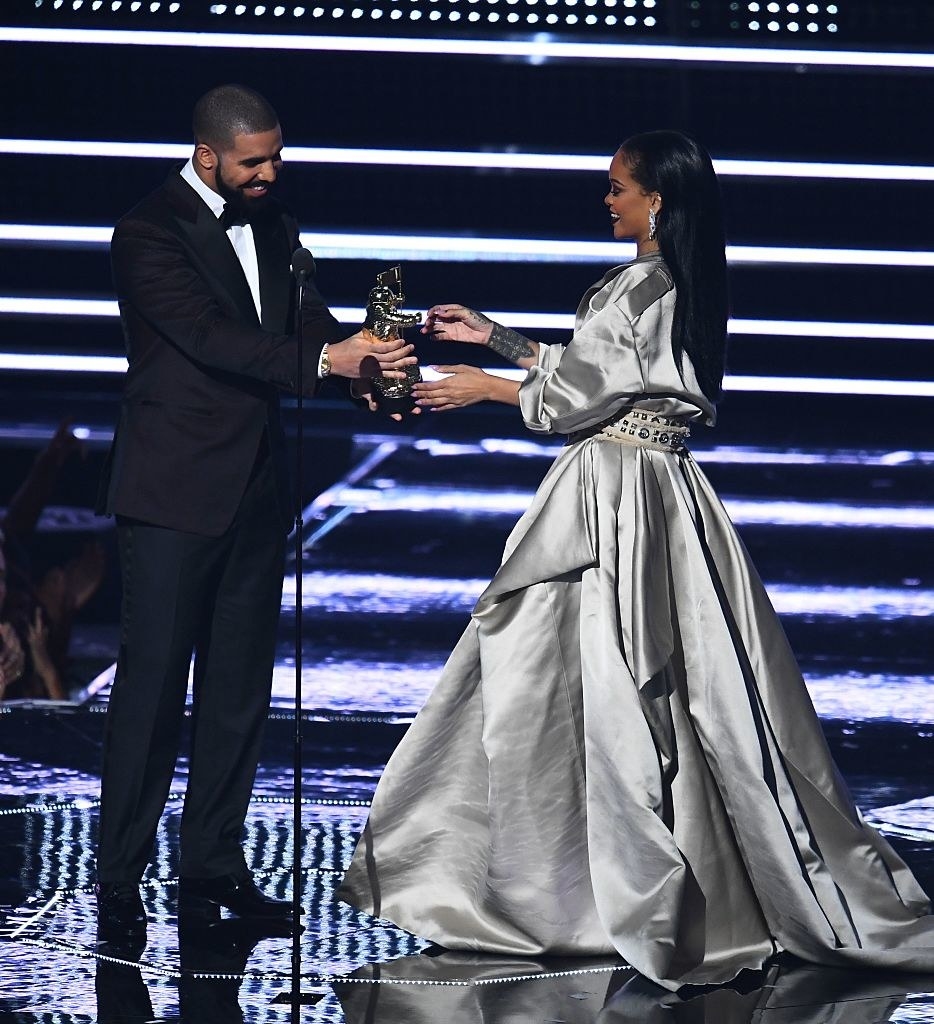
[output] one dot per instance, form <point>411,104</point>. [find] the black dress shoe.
<point>120,913</point>
<point>205,896</point>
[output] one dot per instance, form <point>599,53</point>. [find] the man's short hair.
<point>230,110</point>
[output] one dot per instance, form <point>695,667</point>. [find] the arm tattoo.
<point>510,344</point>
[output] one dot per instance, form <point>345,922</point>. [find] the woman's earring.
<point>653,224</point>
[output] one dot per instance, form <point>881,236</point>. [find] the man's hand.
<point>361,355</point>
<point>363,389</point>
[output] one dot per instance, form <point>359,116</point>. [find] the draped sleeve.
<point>619,356</point>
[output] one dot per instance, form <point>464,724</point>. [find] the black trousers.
<point>219,598</point>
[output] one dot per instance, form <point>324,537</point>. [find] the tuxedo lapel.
<point>203,232</point>
<point>275,281</point>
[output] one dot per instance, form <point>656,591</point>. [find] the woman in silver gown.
<point>621,754</point>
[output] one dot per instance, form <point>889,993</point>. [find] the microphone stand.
<point>301,270</point>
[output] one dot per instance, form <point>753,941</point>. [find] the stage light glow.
<point>728,455</point>
<point>61,363</point>
<point>550,49</point>
<point>46,306</point>
<point>831,329</point>
<point>524,250</point>
<point>830,386</point>
<point>64,363</point>
<point>348,245</point>
<point>743,511</point>
<point>558,162</point>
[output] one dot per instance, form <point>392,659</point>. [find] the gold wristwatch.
<point>324,363</point>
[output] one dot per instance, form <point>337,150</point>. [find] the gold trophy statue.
<point>384,321</point>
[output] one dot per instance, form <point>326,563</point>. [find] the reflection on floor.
<point>395,555</point>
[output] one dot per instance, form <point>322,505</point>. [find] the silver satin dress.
<point>621,754</point>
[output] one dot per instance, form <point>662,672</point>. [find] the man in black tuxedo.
<point>197,480</point>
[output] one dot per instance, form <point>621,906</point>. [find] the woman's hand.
<point>466,385</point>
<point>457,323</point>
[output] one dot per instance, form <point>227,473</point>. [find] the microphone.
<point>303,264</point>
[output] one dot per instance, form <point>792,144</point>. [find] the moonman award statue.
<point>384,321</point>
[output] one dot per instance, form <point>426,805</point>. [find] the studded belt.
<point>642,430</point>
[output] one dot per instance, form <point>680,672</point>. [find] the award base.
<point>394,403</point>
<point>394,395</point>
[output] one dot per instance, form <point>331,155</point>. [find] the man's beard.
<point>235,198</point>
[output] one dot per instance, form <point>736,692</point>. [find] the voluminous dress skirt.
<point>621,754</point>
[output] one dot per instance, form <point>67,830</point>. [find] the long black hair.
<point>691,238</point>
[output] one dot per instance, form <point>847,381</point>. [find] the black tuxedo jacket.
<point>204,374</point>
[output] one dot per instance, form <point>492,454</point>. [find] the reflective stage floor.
<point>396,552</point>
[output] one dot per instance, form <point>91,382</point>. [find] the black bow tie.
<point>232,217</point>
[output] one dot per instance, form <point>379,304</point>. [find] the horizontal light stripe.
<point>64,363</point>
<point>809,255</point>
<point>466,159</point>
<point>54,306</point>
<point>747,455</point>
<point>384,593</point>
<point>27,305</point>
<point>400,688</point>
<point>867,698</point>
<point>537,49</point>
<point>743,511</point>
<point>831,329</point>
<point>350,245</point>
<point>61,363</point>
<point>808,169</point>
<point>56,234</point>
<point>830,386</point>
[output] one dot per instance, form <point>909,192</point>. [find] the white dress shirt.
<point>240,235</point>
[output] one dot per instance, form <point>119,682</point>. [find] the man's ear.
<point>205,157</point>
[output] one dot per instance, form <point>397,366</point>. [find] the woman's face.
<point>628,204</point>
